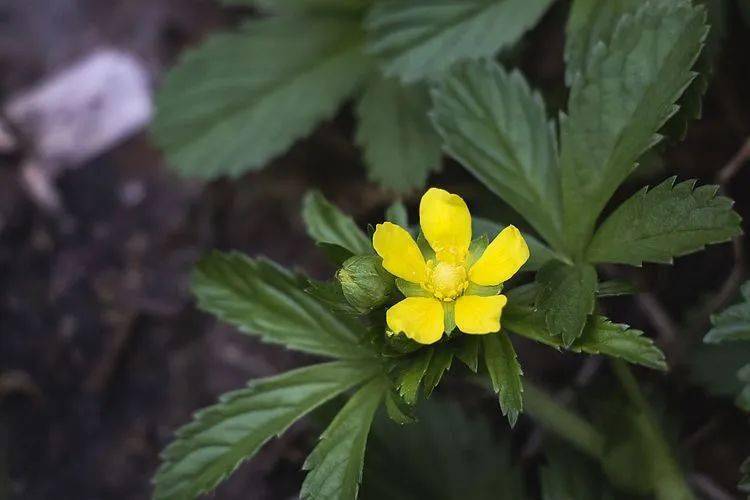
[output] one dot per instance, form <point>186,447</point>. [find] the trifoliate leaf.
<point>566,298</point>
<point>325,223</point>
<point>505,372</point>
<point>243,98</point>
<point>601,336</point>
<point>335,465</point>
<point>733,323</point>
<point>540,253</point>
<point>497,128</point>
<point>222,436</point>
<point>665,222</point>
<point>619,102</point>
<point>261,298</point>
<point>446,455</point>
<point>422,38</point>
<point>400,146</point>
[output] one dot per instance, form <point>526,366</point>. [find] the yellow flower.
<point>449,281</point>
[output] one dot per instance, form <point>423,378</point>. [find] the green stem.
<point>566,424</point>
<point>670,484</point>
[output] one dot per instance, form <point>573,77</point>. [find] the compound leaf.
<point>259,297</point>
<point>665,222</point>
<point>222,436</point>
<point>618,103</point>
<point>243,98</point>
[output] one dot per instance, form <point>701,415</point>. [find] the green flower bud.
<point>366,285</point>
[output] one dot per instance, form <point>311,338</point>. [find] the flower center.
<point>445,281</point>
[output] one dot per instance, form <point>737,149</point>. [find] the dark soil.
<point>102,352</point>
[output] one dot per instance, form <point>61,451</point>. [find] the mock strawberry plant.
<point>411,298</point>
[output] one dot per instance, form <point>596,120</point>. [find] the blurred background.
<point>102,353</point>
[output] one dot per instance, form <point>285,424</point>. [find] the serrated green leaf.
<point>398,410</point>
<point>325,223</point>
<point>261,298</point>
<point>466,349</point>
<point>566,298</point>
<point>439,363</point>
<point>733,323</point>
<point>335,465</point>
<point>400,146</point>
<point>410,373</point>
<point>497,128</point>
<point>624,95</point>
<point>422,38</point>
<point>243,98</point>
<point>222,436</point>
<point>505,372</point>
<point>601,336</point>
<point>397,214</point>
<point>447,455</point>
<point>540,253</point>
<point>665,222</point>
<point>592,22</point>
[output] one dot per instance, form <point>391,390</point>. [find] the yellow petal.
<point>478,315</point>
<point>446,223</point>
<point>400,253</point>
<point>420,318</point>
<point>501,259</point>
